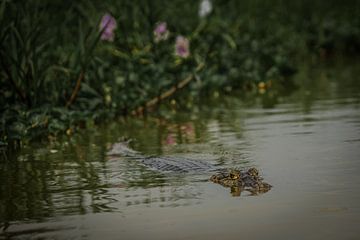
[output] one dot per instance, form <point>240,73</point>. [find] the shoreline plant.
<point>68,66</point>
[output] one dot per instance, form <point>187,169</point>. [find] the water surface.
<point>306,144</point>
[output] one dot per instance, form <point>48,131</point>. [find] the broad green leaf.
<point>2,10</point>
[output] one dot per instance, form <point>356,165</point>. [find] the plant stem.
<point>168,93</point>
<point>21,94</point>
<point>76,89</point>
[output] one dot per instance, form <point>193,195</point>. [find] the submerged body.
<point>237,180</point>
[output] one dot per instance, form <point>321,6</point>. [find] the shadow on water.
<point>74,177</point>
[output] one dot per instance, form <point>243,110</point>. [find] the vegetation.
<point>66,65</point>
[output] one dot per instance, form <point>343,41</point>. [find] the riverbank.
<point>89,63</point>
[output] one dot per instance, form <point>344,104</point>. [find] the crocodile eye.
<point>253,172</point>
<point>234,175</point>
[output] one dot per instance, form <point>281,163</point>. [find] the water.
<point>305,144</point>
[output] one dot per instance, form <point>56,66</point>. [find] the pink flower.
<point>170,139</point>
<point>161,32</point>
<point>107,26</point>
<point>182,47</point>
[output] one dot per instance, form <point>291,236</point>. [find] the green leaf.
<point>87,89</point>
<point>56,126</point>
<point>2,10</point>
<point>81,40</point>
<point>18,36</point>
<point>230,41</point>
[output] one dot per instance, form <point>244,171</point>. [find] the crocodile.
<point>235,179</point>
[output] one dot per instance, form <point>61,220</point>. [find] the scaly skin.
<point>239,181</point>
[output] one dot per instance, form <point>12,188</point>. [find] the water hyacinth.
<point>205,8</point>
<point>161,32</point>
<point>182,47</point>
<point>170,139</point>
<point>107,26</point>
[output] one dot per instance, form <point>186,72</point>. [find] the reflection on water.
<point>305,144</point>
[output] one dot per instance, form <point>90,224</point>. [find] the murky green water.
<point>306,145</point>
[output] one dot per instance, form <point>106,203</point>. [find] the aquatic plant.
<point>182,48</point>
<point>57,80</point>
<point>161,33</point>
<point>205,8</point>
<point>107,27</point>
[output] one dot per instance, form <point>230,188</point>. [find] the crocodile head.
<point>239,181</point>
